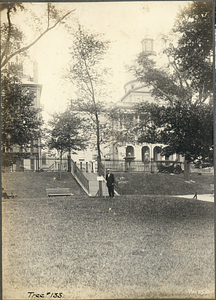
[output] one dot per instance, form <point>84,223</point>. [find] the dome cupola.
<point>148,45</point>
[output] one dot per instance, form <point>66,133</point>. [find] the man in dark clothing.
<point>110,181</point>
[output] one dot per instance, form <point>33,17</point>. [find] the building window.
<point>157,151</point>
<point>145,154</point>
<point>130,151</point>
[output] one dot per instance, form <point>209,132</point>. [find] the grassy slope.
<point>33,184</point>
<point>28,184</point>
<point>161,184</point>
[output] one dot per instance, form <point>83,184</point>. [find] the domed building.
<point>136,91</point>
<point>135,155</point>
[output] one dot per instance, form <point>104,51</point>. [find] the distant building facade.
<point>34,161</point>
<point>137,92</point>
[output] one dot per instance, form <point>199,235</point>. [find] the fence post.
<point>69,163</point>
<point>37,162</point>
<point>152,165</point>
<point>75,167</point>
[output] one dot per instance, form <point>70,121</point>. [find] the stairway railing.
<point>77,173</point>
<point>51,167</point>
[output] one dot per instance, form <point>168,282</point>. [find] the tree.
<point>185,83</point>
<point>66,134</point>
<point>20,120</point>
<point>188,75</point>
<point>87,74</point>
<point>12,38</point>
<point>183,129</point>
<point>194,51</point>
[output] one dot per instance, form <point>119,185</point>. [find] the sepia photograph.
<point>107,150</point>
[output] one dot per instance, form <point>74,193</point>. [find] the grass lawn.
<point>126,247</point>
<point>161,184</point>
<point>34,184</point>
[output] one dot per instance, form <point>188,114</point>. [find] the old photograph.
<point>107,150</point>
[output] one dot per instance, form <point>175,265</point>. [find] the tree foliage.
<point>182,117</point>
<point>183,129</point>
<point>193,53</point>
<point>12,37</point>
<point>188,75</point>
<point>20,120</point>
<point>66,133</point>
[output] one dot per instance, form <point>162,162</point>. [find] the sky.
<point>125,24</point>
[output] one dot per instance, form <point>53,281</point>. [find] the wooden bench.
<point>58,192</point>
<point>212,187</point>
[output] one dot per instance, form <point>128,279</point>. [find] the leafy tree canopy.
<point>66,132</point>
<point>188,75</point>
<point>194,49</point>
<point>182,117</point>
<point>186,130</point>
<point>20,120</point>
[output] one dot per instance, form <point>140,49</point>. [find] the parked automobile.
<point>175,168</point>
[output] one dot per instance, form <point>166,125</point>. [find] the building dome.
<point>148,49</point>
<point>131,85</point>
<point>148,45</point>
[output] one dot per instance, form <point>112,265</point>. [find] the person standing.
<point>110,181</point>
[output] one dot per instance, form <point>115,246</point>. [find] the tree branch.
<point>92,89</point>
<point>9,33</point>
<point>162,92</point>
<point>48,12</point>
<point>6,60</point>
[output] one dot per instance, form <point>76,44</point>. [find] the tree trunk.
<point>100,173</point>
<point>186,170</point>
<point>60,164</point>
<point>100,193</point>
<point>69,161</point>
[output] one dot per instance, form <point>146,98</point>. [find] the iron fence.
<point>52,164</point>
<point>34,163</point>
<point>138,166</point>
